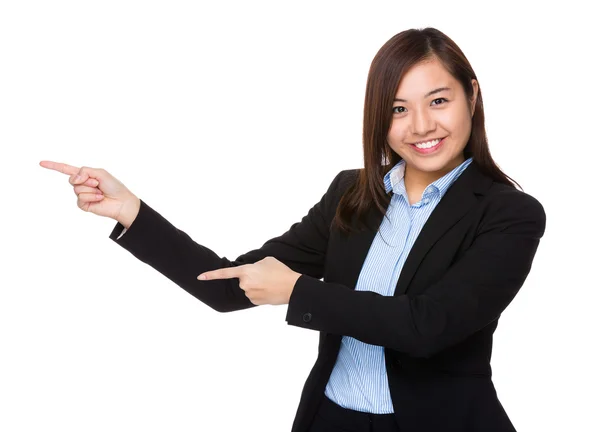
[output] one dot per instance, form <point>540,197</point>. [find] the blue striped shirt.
<point>359,378</point>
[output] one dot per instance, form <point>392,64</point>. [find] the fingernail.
<point>78,177</point>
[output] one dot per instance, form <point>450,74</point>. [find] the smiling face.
<point>423,112</point>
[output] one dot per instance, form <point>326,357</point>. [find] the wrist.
<point>293,281</point>
<point>129,211</point>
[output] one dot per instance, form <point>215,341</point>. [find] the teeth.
<point>428,144</point>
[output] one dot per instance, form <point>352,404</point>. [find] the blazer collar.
<point>458,200</point>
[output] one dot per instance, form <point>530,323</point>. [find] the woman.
<point>419,253</point>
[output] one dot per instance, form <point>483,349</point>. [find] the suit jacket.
<point>467,264</point>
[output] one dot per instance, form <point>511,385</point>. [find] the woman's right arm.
<point>155,241</point>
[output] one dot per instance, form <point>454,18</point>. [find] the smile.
<point>428,146</point>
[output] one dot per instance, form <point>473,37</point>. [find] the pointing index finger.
<point>61,167</point>
<point>224,273</point>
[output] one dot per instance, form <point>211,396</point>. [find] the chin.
<point>433,163</point>
<point>431,167</point>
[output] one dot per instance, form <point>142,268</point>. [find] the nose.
<point>422,122</point>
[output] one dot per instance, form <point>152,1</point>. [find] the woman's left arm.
<point>472,294</point>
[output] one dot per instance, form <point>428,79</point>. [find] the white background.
<point>216,114</point>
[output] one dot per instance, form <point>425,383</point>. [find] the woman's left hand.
<point>267,281</point>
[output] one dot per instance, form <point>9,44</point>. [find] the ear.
<point>473,100</point>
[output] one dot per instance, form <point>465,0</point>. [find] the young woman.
<point>420,252</point>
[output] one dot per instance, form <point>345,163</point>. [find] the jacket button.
<point>306,317</point>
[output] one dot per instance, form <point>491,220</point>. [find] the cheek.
<point>455,122</point>
<point>396,133</point>
<point>461,129</point>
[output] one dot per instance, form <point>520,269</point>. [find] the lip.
<point>430,139</point>
<point>429,150</point>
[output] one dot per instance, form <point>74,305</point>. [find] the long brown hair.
<point>389,65</point>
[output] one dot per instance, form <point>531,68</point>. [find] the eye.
<point>394,109</point>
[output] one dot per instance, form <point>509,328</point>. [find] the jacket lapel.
<point>458,200</point>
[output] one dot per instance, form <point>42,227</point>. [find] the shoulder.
<point>343,180</point>
<point>500,194</point>
<point>348,177</point>
<point>503,207</point>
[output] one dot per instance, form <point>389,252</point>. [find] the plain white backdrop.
<point>216,114</point>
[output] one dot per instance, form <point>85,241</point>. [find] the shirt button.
<point>426,200</point>
<point>306,317</point>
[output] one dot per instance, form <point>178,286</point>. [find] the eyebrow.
<point>437,90</point>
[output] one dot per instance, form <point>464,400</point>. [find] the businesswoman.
<point>403,266</point>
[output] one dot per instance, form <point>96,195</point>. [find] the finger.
<point>85,198</point>
<point>71,170</point>
<point>84,175</point>
<point>79,177</point>
<point>60,167</point>
<point>224,273</point>
<point>89,182</point>
<point>86,189</point>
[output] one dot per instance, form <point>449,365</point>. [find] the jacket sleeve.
<point>473,292</point>
<point>155,241</point>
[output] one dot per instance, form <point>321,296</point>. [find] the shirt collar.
<point>394,179</point>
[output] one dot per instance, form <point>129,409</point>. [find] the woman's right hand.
<point>99,192</point>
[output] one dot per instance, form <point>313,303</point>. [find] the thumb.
<point>86,173</point>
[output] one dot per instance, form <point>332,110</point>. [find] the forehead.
<point>424,77</point>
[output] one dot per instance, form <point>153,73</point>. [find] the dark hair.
<point>392,61</point>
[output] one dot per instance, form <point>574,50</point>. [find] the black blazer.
<point>467,264</point>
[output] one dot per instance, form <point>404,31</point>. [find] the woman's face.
<point>420,115</point>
